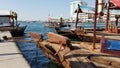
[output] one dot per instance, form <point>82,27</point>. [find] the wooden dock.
<point>10,55</point>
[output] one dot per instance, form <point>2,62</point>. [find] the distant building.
<point>88,11</point>
<point>73,7</point>
<point>88,14</point>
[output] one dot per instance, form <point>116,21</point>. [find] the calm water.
<point>29,49</point>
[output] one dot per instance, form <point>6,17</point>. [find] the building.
<point>88,11</point>
<point>73,7</point>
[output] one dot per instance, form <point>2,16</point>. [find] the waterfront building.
<point>73,7</point>
<point>88,11</point>
<point>111,16</point>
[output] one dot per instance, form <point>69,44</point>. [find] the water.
<point>29,48</point>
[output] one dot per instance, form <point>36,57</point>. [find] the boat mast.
<point>78,11</point>
<point>77,16</point>
<point>95,21</point>
<point>107,15</point>
<point>15,16</point>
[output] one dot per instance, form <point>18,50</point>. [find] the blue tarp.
<point>112,44</point>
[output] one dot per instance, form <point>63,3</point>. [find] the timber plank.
<point>78,59</point>
<point>107,60</point>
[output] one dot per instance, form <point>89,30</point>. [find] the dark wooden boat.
<point>18,31</point>
<point>9,23</point>
<point>15,31</point>
<point>68,33</point>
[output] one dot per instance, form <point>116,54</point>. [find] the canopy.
<point>115,4</point>
<point>85,9</point>
<point>7,13</point>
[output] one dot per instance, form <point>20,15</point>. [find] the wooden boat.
<point>61,51</point>
<point>15,31</point>
<point>86,55</point>
<point>9,23</point>
<point>68,33</point>
<point>110,29</point>
<point>56,23</point>
<point>111,32</point>
<point>75,33</point>
<point>18,31</point>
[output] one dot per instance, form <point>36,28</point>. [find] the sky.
<point>39,9</point>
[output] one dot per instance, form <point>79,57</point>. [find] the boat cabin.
<point>8,18</point>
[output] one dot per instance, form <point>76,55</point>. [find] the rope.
<point>61,44</point>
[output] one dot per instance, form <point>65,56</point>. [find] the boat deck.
<point>107,36</point>
<point>10,55</point>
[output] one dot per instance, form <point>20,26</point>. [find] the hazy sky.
<point>39,9</point>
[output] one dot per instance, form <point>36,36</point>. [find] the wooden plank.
<point>106,60</point>
<point>36,37</point>
<point>78,59</point>
<point>49,51</point>
<point>98,37</point>
<point>56,38</point>
<point>56,47</point>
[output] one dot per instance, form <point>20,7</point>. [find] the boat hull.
<point>15,31</point>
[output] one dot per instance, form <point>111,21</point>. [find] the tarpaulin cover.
<point>116,3</point>
<point>112,44</point>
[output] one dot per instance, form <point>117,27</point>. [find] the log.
<point>106,60</point>
<point>55,38</point>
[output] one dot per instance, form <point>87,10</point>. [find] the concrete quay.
<point>10,55</point>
